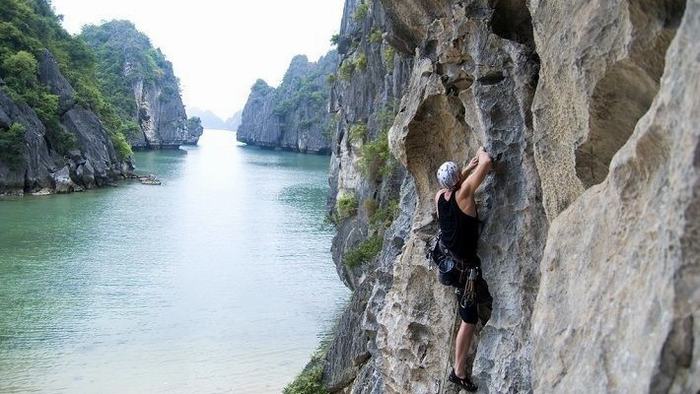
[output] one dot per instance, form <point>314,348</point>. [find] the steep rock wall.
<point>93,162</point>
<point>618,302</point>
<point>142,86</point>
<point>600,296</point>
<point>462,96</point>
<point>295,115</point>
<point>366,97</point>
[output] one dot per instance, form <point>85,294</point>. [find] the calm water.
<point>220,280</point>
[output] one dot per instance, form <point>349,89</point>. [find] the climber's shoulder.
<point>438,194</point>
<point>465,192</point>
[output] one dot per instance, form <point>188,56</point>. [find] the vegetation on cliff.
<point>294,115</point>
<point>11,144</point>
<point>28,27</point>
<point>133,71</point>
<point>309,380</point>
<point>124,56</point>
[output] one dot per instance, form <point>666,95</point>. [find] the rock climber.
<point>459,234</point>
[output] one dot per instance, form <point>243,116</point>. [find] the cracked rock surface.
<point>590,242</point>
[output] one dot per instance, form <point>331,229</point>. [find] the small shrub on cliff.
<point>346,69</point>
<point>361,12</point>
<point>11,144</point>
<point>331,79</point>
<point>375,37</point>
<point>121,146</point>
<point>382,218</point>
<point>346,205</point>
<point>375,158</point>
<point>389,54</point>
<point>361,62</point>
<point>364,252</point>
<point>335,38</point>
<point>358,132</point>
<point>309,380</point>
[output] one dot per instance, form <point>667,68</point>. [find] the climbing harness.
<point>453,271</point>
<point>469,295</point>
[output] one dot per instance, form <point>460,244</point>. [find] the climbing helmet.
<point>448,174</point>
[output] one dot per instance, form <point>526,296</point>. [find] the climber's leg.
<point>462,343</point>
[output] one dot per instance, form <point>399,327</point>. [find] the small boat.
<point>149,180</point>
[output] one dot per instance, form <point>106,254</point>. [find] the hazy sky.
<point>220,47</point>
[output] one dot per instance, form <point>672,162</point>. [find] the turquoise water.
<point>220,280</point>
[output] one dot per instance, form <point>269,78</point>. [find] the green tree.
<point>20,71</point>
<point>12,145</point>
<point>28,27</point>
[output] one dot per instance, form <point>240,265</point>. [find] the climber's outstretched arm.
<point>477,176</point>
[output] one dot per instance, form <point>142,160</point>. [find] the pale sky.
<point>220,47</point>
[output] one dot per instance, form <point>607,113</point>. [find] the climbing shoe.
<point>465,383</point>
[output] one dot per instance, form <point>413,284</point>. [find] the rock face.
<point>590,243</point>
<point>619,288</point>
<point>93,161</point>
<point>294,116</point>
<point>143,86</point>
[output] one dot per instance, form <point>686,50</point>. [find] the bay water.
<point>219,280</point>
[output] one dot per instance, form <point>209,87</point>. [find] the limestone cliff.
<point>91,161</point>
<point>142,86</point>
<point>294,116</point>
<point>590,244</point>
<point>56,134</point>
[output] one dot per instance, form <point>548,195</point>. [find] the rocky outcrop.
<point>142,85</point>
<point>91,162</point>
<point>293,116</point>
<point>590,242</point>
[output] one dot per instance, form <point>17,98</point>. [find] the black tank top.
<point>460,232</point>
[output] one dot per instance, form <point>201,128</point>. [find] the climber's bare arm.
<point>469,167</point>
<point>477,175</point>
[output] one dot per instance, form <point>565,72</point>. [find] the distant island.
<point>212,121</point>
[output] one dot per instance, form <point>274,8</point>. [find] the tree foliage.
<point>346,205</point>
<point>363,253</point>
<point>361,12</point>
<point>21,70</point>
<point>28,27</point>
<point>11,145</point>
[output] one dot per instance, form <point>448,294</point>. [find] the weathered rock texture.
<point>295,115</point>
<point>92,163</point>
<point>619,299</point>
<point>368,96</point>
<point>142,85</point>
<point>590,244</point>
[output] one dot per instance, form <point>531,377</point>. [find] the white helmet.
<point>448,175</point>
